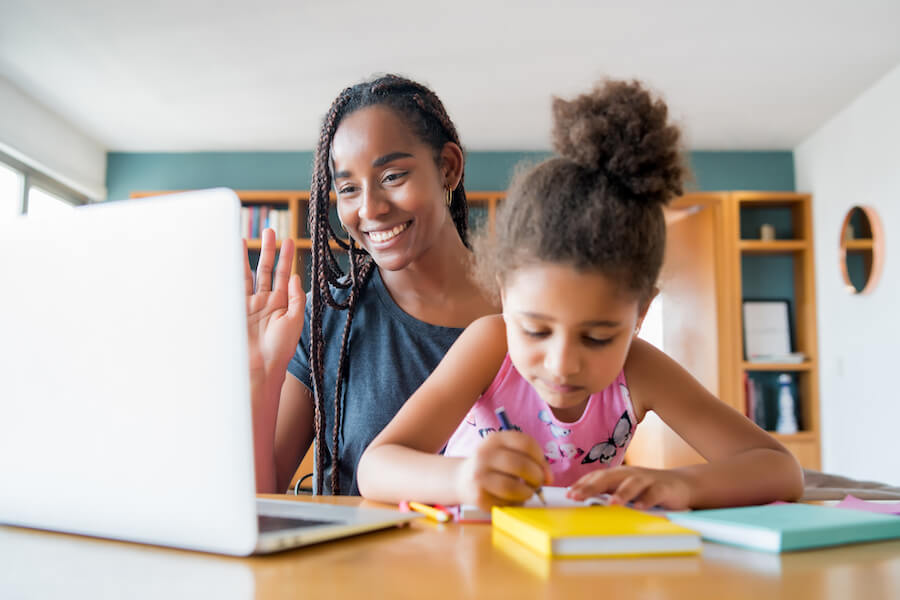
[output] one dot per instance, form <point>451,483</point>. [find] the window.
<point>11,184</point>
<point>25,190</point>
<point>652,328</point>
<point>42,203</point>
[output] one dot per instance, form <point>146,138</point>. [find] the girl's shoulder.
<point>654,378</point>
<point>642,372</point>
<point>489,325</point>
<point>481,347</point>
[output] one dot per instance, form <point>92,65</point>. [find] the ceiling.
<point>196,75</point>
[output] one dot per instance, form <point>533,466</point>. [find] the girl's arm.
<point>745,464</point>
<point>402,462</point>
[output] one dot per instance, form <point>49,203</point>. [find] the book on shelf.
<point>755,402</point>
<point>594,531</point>
<point>786,358</point>
<point>256,218</point>
<point>784,527</point>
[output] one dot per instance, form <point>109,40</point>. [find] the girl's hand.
<point>645,488</point>
<point>506,469</point>
<point>274,314</point>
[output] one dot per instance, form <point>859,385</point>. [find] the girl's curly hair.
<point>598,206</point>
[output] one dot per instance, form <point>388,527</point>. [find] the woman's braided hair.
<point>424,112</point>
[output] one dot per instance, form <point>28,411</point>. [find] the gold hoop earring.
<point>449,197</point>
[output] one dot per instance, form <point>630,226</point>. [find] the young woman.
<point>370,337</point>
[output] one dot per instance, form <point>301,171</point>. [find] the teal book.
<point>786,527</point>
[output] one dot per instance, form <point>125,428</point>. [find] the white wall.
<point>41,139</point>
<point>855,159</point>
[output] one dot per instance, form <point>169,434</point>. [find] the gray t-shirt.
<point>389,355</point>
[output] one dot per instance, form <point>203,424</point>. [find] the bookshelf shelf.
<point>775,247</point>
<point>756,366</point>
<point>256,244</point>
<point>800,436</point>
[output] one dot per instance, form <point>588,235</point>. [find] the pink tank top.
<point>595,441</point>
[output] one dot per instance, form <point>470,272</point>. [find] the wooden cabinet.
<point>714,260</point>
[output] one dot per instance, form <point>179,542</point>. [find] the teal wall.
<point>127,172</point>
<point>764,171</point>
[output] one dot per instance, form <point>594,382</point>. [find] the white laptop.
<point>124,392</point>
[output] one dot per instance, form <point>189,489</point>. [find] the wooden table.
<point>429,560</point>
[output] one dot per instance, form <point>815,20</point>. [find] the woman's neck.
<point>438,287</point>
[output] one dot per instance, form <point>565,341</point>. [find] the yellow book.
<point>594,531</point>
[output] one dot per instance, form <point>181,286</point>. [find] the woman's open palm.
<point>274,312</point>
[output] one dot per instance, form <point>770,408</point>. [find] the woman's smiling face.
<point>391,191</point>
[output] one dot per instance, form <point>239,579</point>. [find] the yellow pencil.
<point>438,515</point>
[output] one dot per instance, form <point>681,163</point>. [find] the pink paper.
<point>886,508</point>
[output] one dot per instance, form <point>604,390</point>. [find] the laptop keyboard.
<point>267,523</point>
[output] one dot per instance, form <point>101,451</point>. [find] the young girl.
<point>370,336</point>
<point>576,254</point>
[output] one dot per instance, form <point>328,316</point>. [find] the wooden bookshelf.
<point>711,236</point>
<point>799,246</point>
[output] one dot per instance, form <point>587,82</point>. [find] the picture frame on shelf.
<point>768,331</point>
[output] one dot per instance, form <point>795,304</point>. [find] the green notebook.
<point>785,527</point>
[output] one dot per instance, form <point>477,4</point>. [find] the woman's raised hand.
<point>274,313</point>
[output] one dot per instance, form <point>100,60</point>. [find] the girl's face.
<point>391,195</point>
<point>568,332</point>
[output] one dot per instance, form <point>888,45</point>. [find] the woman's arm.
<point>274,323</point>
<point>282,433</point>
<point>294,430</point>
<point>402,462</point>
<point>745,464</point>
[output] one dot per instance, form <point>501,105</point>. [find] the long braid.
<point>426,114</point>
<point>359,268</point>
<point>322,271</point>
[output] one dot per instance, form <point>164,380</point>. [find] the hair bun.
<point>621,133</point>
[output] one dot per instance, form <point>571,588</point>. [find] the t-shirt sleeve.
<point>299,365</point>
